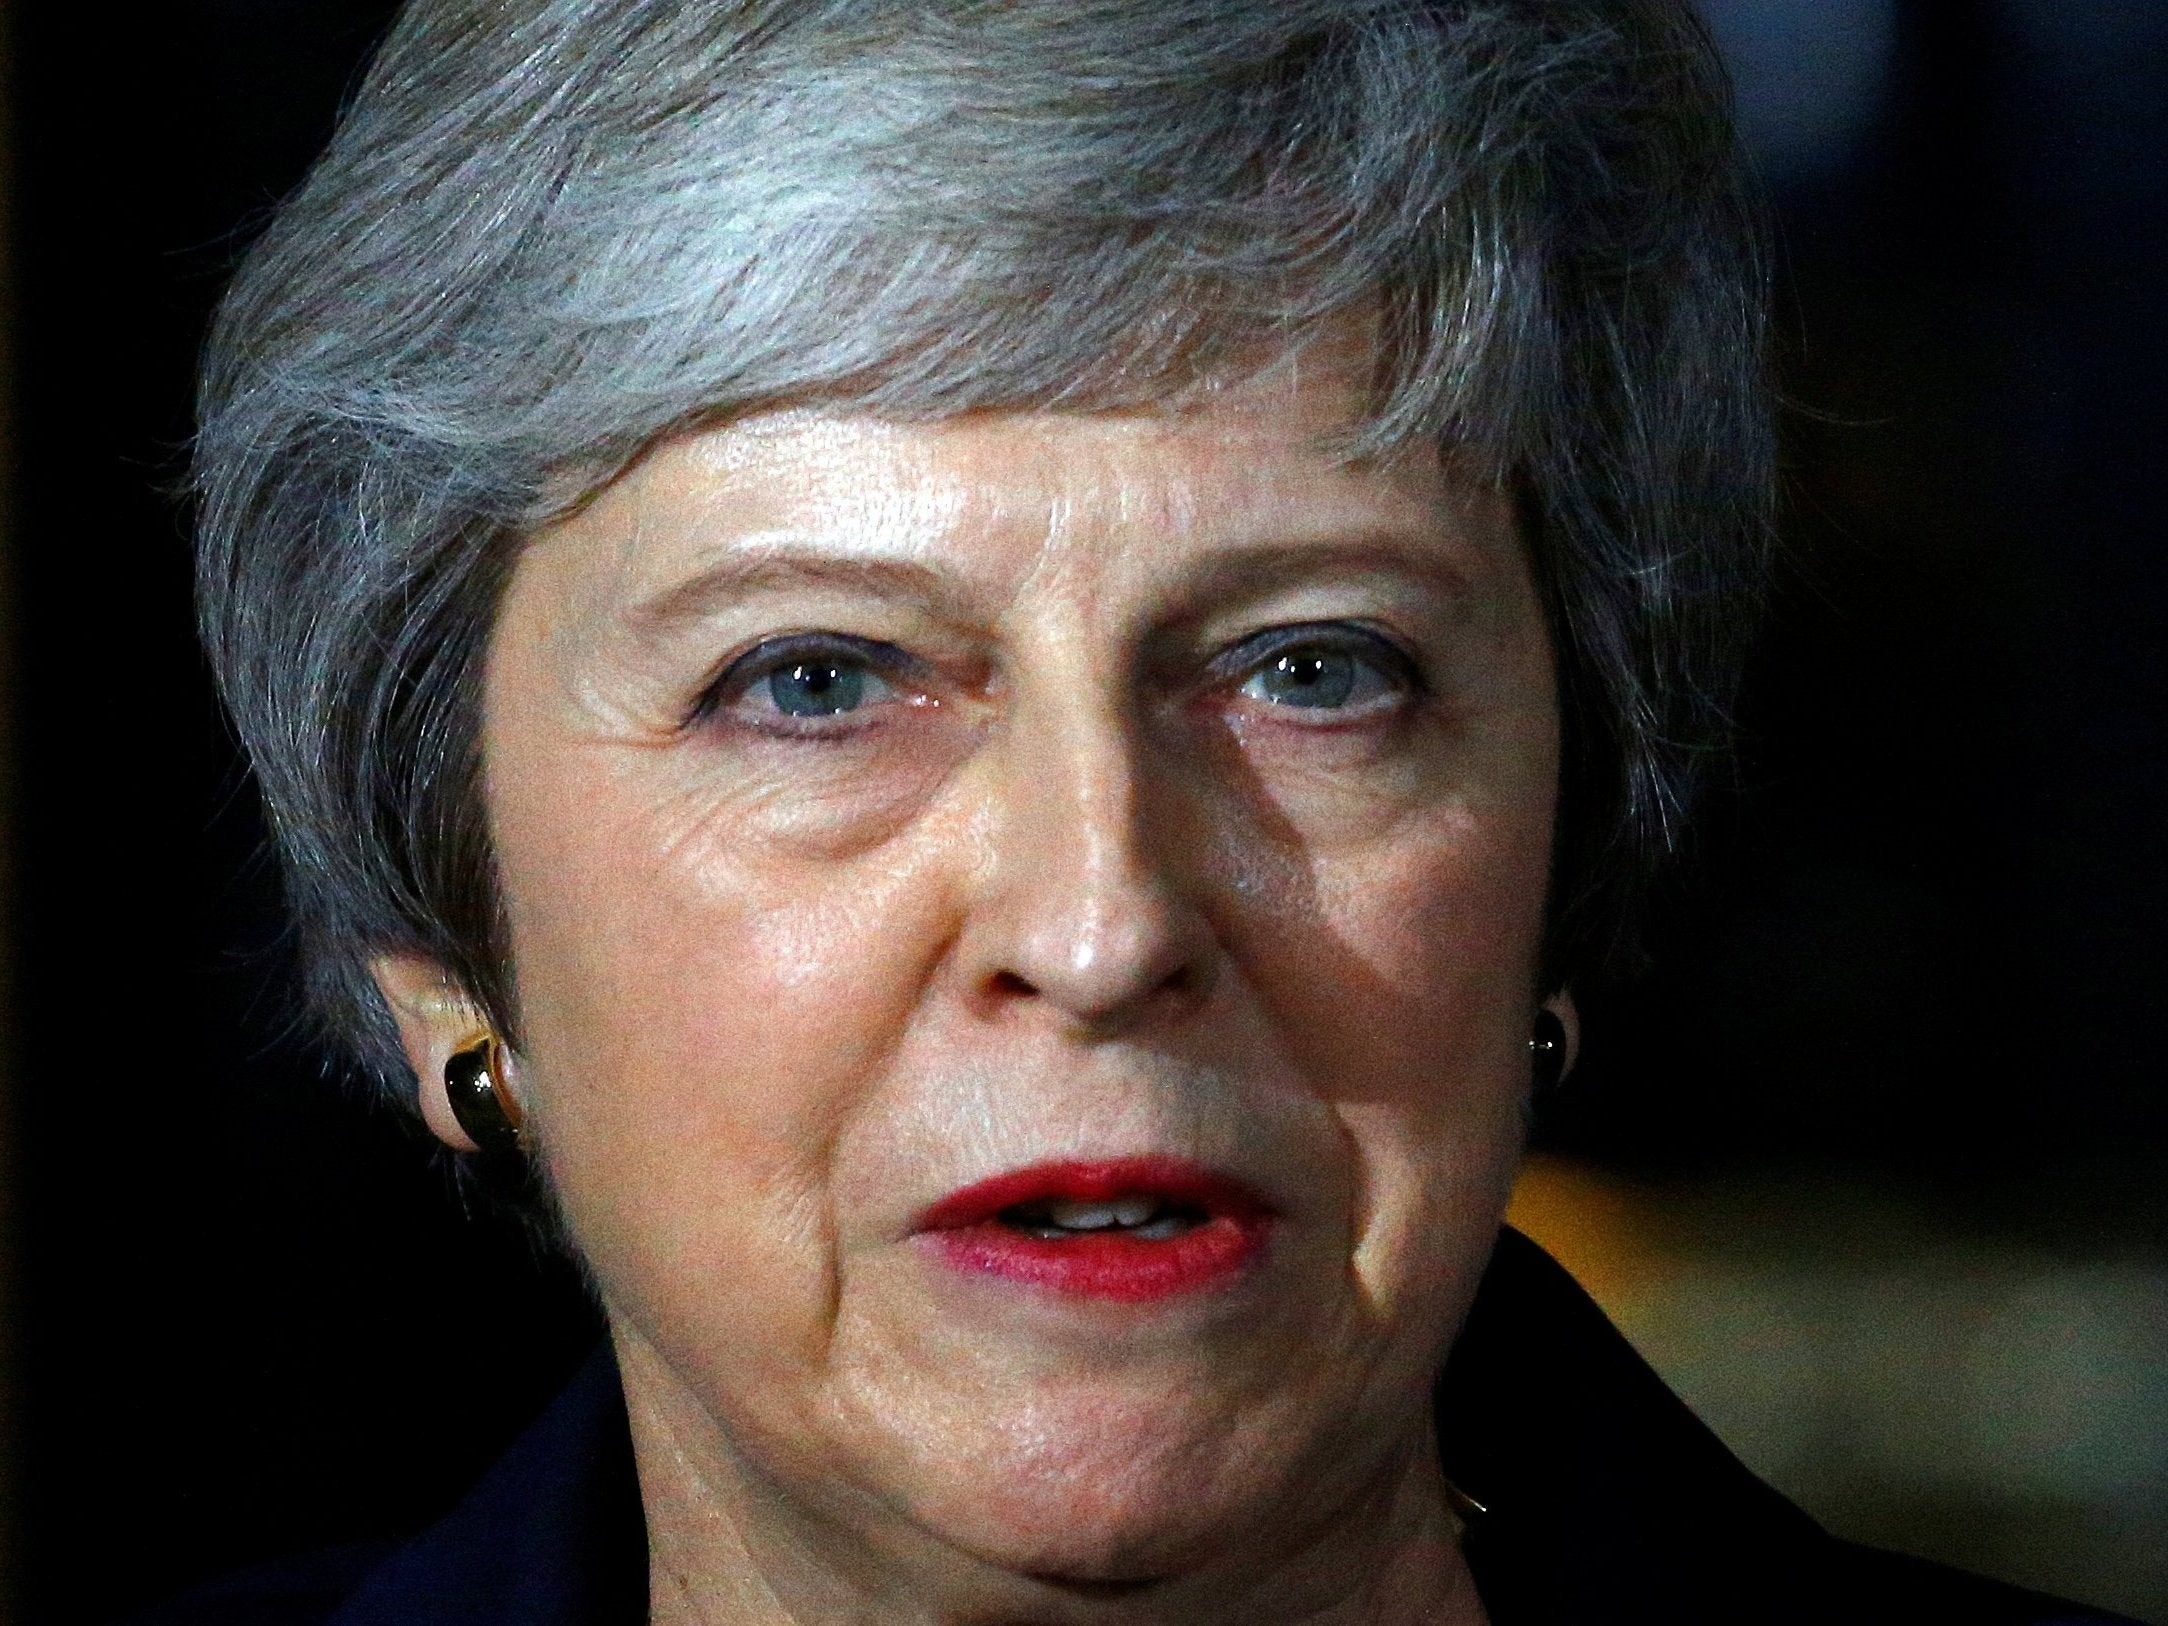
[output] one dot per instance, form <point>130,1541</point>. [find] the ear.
<point>435,1019</point>
<point>1562,1006</point>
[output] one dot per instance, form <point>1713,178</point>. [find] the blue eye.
<point>1316,676</point>
<point>1306,677</point>
<point>820,688</point>
<point>796,684</point>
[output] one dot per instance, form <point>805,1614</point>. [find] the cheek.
<point>1431,943</point>
<point>699,1014</point>
<point>1395,921</point>
<point>1403,982</point>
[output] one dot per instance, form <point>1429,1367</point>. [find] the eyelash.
<point>1250,658</point>
<point>1236,666</point>
<point>883,662</point>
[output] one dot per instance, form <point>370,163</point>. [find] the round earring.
<point>1547,1052</point>
<point>481,1101</point>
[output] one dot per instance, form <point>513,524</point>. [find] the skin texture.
<point>1072,880</point>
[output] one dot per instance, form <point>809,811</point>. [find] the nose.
<point>1085,907</point>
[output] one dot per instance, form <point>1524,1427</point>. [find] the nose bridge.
<point>1080,808</point>
<point>1085,909</point>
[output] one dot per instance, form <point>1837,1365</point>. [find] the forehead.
<point>1261,455</point>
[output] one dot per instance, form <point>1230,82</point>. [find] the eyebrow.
<point>1248,572</point>
<point>771,570</point>
<point>1231,574</point>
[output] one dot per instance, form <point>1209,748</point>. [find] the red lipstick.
<point>1129,1229</point>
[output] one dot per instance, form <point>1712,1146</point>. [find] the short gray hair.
<point>549,232</point>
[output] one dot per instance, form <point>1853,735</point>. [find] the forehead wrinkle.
<point>864,486</point>
<point>815,504</point>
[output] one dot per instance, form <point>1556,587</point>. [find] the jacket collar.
<point>553,1535</point>
<point>1599,1485</point>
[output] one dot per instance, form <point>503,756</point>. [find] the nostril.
<point>1190,980</point>
<point>1009,985</point>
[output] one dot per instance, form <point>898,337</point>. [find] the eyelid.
<point>1348,637</point>
<point>741,671</point>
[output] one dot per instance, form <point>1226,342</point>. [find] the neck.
<point>729,1546</point>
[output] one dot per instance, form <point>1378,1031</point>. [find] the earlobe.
<point>1553,1045</point>
<point>1569,1018</point>
<point>478,1084</point>
<point>437,1022</point>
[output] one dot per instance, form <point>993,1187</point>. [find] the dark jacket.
<point>1607,1501</point>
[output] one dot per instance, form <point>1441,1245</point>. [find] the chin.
<point>1079,1482</point>
<point>1103,1520</point>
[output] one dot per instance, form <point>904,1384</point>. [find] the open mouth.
<point>1147,1219</point>
<point>1128,1229</point>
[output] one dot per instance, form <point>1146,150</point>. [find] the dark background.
<point>1924,945</point>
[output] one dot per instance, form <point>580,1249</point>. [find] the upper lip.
<point>1170,1179</point>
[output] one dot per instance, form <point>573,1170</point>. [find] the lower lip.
<point>1117,1266</point>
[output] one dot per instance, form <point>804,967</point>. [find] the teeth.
<point>1085,1216</point>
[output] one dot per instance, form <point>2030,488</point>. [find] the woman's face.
<point>1148,814</point>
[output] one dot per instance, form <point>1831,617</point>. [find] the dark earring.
<point>1547,1052</point>
<point>481,1102</point>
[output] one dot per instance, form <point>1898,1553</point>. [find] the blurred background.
<point>1869,1163</point>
